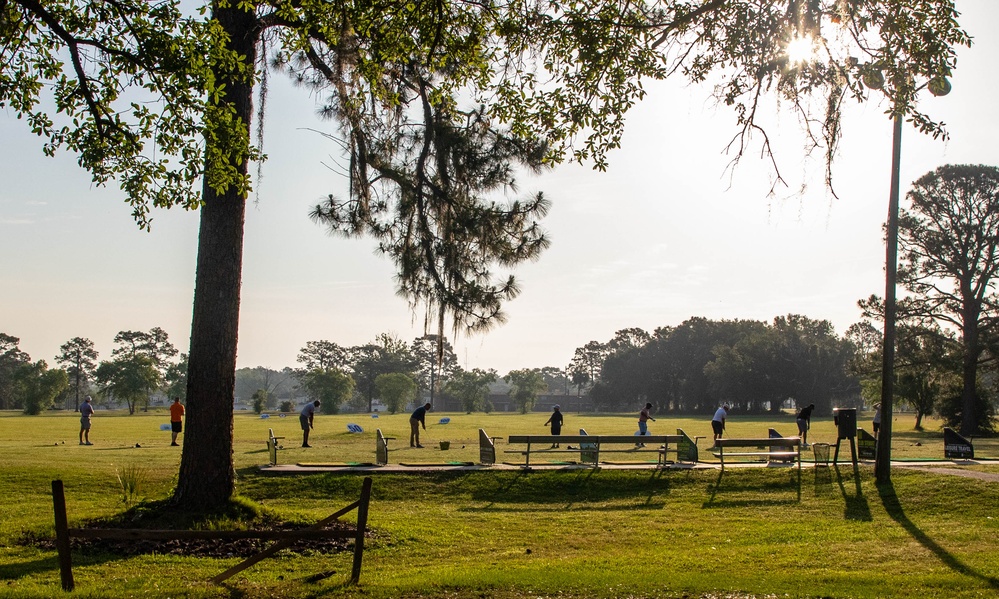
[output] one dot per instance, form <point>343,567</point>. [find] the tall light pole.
<point>800,49</point>
<point>882,463</point>
<point>808,17</point>
<point>938,86</point>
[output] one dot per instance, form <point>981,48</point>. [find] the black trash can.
<point>846,422</point>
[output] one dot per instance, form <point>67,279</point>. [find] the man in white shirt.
<point>718,421</point>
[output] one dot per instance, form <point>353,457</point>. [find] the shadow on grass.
<point>755,483</point>
<point>487,488</point>
<point>895,510</point>
<point>248,471</point>
<point>823,481</point>
<point>556,506</point>
<point>748,502</point>
<point>335,589</point>
<point>235,592</point>
<point>505,488</point>
<point>562,490</point>
<point>856,506</point>
<point>14,571</point>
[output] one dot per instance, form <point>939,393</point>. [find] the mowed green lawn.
<point>498,534</point>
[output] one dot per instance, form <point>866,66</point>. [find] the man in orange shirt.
<point>176,419</point>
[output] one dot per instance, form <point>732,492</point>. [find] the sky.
<point>667,233</point>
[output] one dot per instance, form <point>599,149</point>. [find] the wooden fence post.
<point>62,535</point>
<point>362,527</point>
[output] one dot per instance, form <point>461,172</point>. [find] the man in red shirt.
<point>643,422</point>
<point>176,419</point>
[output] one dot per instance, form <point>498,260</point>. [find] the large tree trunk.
<point>207,477</point>
<point>969,422</point>
<point>77,390</point>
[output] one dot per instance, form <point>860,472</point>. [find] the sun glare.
<point>800,49</point>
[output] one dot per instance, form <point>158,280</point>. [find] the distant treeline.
<point>753,366</point>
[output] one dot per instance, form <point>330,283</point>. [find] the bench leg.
<point>799,474</point>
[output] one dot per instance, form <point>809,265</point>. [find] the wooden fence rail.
<point>283,538</point>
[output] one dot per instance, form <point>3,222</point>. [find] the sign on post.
<point>686,448</point>
<point>589,452</point>
<point>956,446</point>
<point>867,445</point>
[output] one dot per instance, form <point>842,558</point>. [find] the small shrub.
<point>130,478</point>
<point>260,400</point>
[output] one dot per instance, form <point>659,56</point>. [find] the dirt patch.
<point>203,547</point>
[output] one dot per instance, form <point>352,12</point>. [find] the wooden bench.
<point>773,434</point>
<point>381,447</point>
<point>590,447</point>
<point>773,449</point>
<point>272,446</point>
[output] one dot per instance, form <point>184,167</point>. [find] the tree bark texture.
<point>207,477</point>
<point>969,372</point>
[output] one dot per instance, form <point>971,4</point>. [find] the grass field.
<point>509,534</point>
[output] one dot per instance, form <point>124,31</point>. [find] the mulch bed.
<point>241,548</point>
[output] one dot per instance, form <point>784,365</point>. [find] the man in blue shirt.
<point>86,411</point>
<point>418,418</point>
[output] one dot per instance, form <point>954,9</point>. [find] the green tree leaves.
<point>331,387</point>
<point>396,390</point>
<point>80,359</point>
<point>949,261</point>
<point>471,389</point>
<point>129,378</point>
<point>11,359</point>
<point>126,81</point>
<point>525,385</point>
<point>39,386</point>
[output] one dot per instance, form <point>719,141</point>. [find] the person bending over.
<point>718,421</point>
<point>306,418</point>
<point>419,418</point>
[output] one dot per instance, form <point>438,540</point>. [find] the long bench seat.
<point>771,448</point>
<point>590,447</point>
